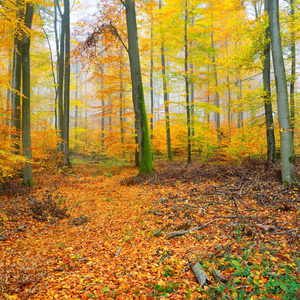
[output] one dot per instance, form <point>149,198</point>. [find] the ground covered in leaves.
<point>102,233</point>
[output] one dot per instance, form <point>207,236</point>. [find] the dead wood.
<point>179,233</point>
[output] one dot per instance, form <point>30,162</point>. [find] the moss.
<point>146,165</point>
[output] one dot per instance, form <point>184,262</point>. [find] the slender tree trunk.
<point>66,120</point>
<point>293,69</point>
<point>76,98</point>
<point>192,90</point>
<point>102,102</point>
<point>16,83</point>
<point>8,92</point>
<point>267,94</point>
<point>286,139</point>
<point>187,96</point>
<point>229,107</point>
<point>240,121</point>
<point>121,98</point>
<point>26,136</point>
<point>61,71</point>
<point>151,81</point>
<point>57,66</point>
<point>217,99</point>
<point>146,165</point>
<point>166,95</point>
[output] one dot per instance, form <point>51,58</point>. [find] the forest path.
<point>115,243</point>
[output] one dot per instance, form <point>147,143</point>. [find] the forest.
<point>149,149</point>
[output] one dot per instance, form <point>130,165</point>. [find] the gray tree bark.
<point>286,139</point>
<point>26,136</point>
<point>187,96</point>
<point>66,118</point>
<point>165,92</point>
<point>293,69</point>
<point>151,81</point>
<point>145,155</point>
<point>267,94</point>
<point>16,83</point>
<point>217,99</point>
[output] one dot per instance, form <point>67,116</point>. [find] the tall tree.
<point>165,92</point>
<point>16,81</point>
<point>145,155</point>
<point>286,139</point>
<point>66,122</point>
<point>187,96</point>
<point>267,93</point>
<point>26,137</point>
<point>293,68</point>
<point>64,66</point>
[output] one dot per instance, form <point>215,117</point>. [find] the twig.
<point>36,282</point>
<point>226,217</point>
<point>179,233</point>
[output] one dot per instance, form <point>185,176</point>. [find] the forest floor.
<point>99,232</point>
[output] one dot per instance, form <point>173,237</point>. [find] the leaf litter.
<point>128,237</point>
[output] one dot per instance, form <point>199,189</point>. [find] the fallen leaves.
<point>115,244</point>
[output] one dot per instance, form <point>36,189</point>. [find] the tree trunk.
<point>267,94</point>
<point>8,91</point>
<point>26,137</point>
<point>77,99</point>
<point>121,98</point>
<point>61,70</point>
<point>57,66</point>
<point>293,69</point>
<point>151,81</point>
<point>16,83</point>
<point>66,119</point>
<point>165,91</point>
<point>229,107</point>
<point>286,139</point>
<point>145,156</point>
<point>217,99</point>
<point>240,119</point>
<point>187,96</point>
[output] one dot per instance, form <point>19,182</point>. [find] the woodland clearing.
<point>102,233</point>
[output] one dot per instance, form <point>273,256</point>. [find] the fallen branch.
<point>226,217</point>
<point>180,233</point>
<point>285,232</point>
<point>72,175</point>
<point>35,283</point>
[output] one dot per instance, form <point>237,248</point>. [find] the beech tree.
<point>286,139</point>
<point>64,67</point>
<point>141,121</point>
<point>267,93</point>
<point>165,92</point>
<point>26,137</point>
<point>16,81</point>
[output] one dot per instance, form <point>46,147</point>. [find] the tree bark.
<point>267,94</point>
<point>16,83</point>
<point>293,69</point>
<point>26,137</point>
<point>151,81</point>
<point>187,96</point>
<point>217,99</point>
<point>286,139</point>
<point>145,156</point>
<point>66,119</point>
<point>165,92</point>
<point>61,70</point>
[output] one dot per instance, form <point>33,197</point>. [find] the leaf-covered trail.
<point>115,243</point>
